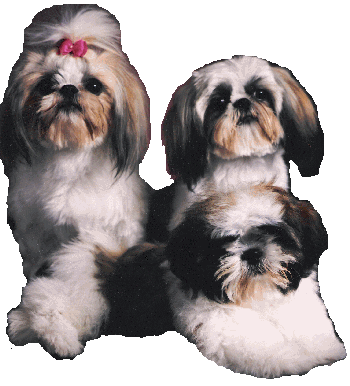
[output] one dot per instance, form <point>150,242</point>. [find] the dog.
<point>242,282</point>
<point>236,121</point>
<point>74,128</point>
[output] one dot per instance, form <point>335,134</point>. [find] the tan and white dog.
<point>74,128</point>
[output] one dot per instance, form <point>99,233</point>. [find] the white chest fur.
<point>80,189</point>
<point>75,189</point>
<point>225,176</point>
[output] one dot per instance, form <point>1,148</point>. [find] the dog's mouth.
<point>246,119</point>
<point>69,107</point>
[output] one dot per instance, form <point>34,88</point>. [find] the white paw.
<point>50,328</point>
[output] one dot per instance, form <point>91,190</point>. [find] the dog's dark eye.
<point>264,96</point>
<point>261,94</point>
<point>94,86</point>
<point>223,101</point>
<point>219,102</point>
<point>220,98</point>
<point>46,86</point>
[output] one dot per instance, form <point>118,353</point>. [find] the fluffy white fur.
<point>279,335</point>
<point>224,175</point>
<point>264,327</point>
<point>70,198</point>
<point>63,310</point>
<point>79,189</point>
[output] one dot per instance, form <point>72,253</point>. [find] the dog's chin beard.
<point>251,285</point>
<point>66,125</point>
<point>71,130</point>
<point>254,133</point>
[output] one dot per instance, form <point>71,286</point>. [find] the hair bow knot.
<point>78,49</point>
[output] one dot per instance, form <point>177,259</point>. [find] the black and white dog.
<point>236,121</point>
<point>243,282</point>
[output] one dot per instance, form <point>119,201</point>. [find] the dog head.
<point>74,88</point>
<point>237,246</point>
<point>240,107</point>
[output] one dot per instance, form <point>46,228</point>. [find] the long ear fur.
<point>306,221</point>
<point>131,132</point>
<point>8,140</point>
<point>13,145</point>
<point>303,133</point>
<point>185,144</point>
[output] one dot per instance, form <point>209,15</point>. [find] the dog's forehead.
<point>243,209</point>
<point>236,72</point>
<point>67,69</point>
<point>69,75</point>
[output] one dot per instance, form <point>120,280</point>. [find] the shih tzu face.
<point>241,107</point>
<point>75,90</point>
<point>67,104</point>
<point>239,246</point>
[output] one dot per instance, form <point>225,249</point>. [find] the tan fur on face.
<point>232,139</point>
<point>46,124</point>
<point>75,129</point>
<point>247,287</point>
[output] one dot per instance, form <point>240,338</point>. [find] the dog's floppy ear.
<point>185,145</point>
<point>307,223</point>
<point>195,253</point>
<point>303,134</point>
<point>131,132</point>
<point>12,144</point>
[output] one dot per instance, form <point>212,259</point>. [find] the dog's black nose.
<point>252,256</point>
<point>68,91</point>
<point>242,104</point>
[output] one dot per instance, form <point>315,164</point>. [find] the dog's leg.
<point>66,308</point>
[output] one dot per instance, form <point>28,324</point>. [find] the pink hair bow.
<point>78,49</point>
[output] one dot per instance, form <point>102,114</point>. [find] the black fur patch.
<point>136,292</point>
<point>160,211</point>
<point>297,241</point>
<point>44,270</point>
<point>195,257</point>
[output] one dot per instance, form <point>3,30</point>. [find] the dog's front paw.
<point>51,329</point>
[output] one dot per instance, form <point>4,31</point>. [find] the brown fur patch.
<point>133,101</point>
<point>105,259</point>
<point>296,101</point>
<point>234,139</point>
<point>225,134</point>
<point>213,204</point>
